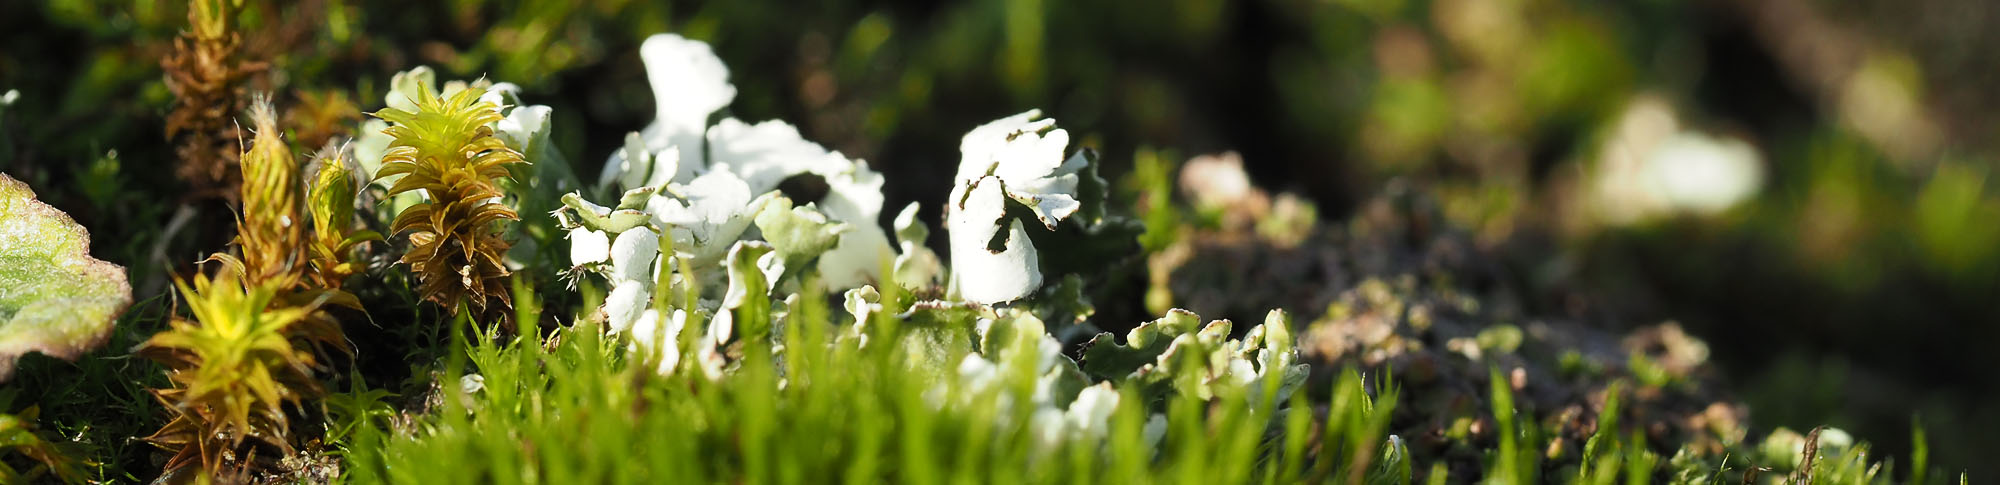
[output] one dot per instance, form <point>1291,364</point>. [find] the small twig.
<point>1804,473</point>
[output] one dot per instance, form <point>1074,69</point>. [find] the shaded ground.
<point>1401,293</point>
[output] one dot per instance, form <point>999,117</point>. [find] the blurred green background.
<point>1802,183</point>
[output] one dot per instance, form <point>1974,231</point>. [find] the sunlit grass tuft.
<point>569,408</point>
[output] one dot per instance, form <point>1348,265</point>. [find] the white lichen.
<point>1020,159</point>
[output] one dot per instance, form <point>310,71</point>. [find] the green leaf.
<point>798,233</point>
<point>1011,331</point>
<point>1093,240</point>
<point>1393,466</point>
<point>1278,332</point>
<point>749,298</point>
<point>917,267</point>
<point>359,237</point>
<point>909,229</point>
<point>935,335</point>
<point>1169,354</point>
<point>1064,382</point>
<point>1063,304</point>
<point>1272,348</point>
<point>599,218</point>
<point>54,298</point>
<point>1091,189</point>
<point>1185,365</point>
<point>862,303</point>
<point>1106,359</point>
<point>1193,362</point>
<point>332,191</point>
<point>635,199</point>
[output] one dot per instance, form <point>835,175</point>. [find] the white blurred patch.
<point>1652,167</point>
<point>1697,173</point>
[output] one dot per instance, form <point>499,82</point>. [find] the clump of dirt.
<point>308,465</point>
<point>1396,291</point>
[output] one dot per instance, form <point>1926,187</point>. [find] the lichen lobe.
<point>54,298</point>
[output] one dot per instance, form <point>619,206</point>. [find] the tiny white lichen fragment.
<point>977,374</point>
<point>628,300</point>
<point>1155,429</point>
<point>1049,427</point>
<point>587,246</point>
<point>522,125</point>
<point>916,266</point>
<point>633,255</point>
<point>1090,414</point>
<point>659,338</point>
